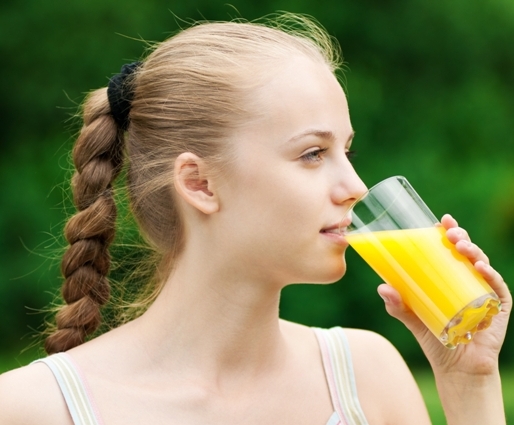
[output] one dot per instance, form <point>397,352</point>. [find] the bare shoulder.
<point>372,348</point>
<point>30,395</point>
<point>376,355</point>
<point>385,384</point>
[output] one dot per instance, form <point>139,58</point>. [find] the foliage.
<point>430,90</point>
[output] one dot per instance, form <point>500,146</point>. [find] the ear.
<point>191,183</point>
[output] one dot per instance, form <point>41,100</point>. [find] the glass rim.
<point>372,188</point>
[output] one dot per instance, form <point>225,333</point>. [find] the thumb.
<point>396,308</point>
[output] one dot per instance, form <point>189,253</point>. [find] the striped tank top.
<point>337,363</point>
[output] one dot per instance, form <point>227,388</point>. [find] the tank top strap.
<point>337,361</point>
<point>73,389</point>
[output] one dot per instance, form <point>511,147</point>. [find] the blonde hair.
<point>190,93</point>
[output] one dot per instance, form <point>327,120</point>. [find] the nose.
<point>349,186</point>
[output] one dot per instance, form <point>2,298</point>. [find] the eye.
<point>351,155</point>
<point>314,156</point>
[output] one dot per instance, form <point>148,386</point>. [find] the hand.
<point>478,358</point>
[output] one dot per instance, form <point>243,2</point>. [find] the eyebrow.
<point>322,134</point>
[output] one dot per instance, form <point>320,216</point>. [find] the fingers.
<point>460,238</point>
<point>478,258</point>
<point>496,282</point>
<point>471,251</point>
<point>454,233</point>
<point>448,221</point>
<point>397,309</point>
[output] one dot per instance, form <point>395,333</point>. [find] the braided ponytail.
<point>97,155</point>
<point>190,95</point>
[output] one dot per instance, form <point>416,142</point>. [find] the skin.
<point>468,378</point>
<point>212,348</point>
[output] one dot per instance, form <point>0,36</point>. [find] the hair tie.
<point>120,93</point>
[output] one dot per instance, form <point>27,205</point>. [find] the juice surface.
<point>421,264</point>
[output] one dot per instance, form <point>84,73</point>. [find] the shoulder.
<point>371,348</point>
<point>30,395</point>
<point>374,358</point>
<point>384,382</point>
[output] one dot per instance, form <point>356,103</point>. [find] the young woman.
<point>238,141</point>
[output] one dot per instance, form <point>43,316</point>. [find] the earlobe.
<point>193,185</point>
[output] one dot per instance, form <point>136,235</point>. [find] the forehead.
<point>301,94</point>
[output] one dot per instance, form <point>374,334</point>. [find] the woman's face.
<point>292,181</point>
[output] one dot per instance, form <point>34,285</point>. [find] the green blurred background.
<point>430,86</point>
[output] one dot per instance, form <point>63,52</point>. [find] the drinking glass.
<point>398,236</point>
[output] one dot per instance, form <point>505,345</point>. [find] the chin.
<point>334,277</point>
<point>318,270</point>
<point>329,274</point>
<point>337,272</point>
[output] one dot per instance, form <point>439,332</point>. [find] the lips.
<point>339,228</point>
<point>334,234</point>
<point>335,229</point>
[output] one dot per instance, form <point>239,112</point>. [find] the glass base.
<point>473,318</point>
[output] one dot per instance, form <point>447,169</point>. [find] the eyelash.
<point>351,155</point>
<point>316,156</point>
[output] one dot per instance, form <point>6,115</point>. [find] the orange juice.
<point>440,285</point>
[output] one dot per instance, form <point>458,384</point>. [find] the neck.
<point>223,325</point>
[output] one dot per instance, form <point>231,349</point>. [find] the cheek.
<point>284,203</point>
<point>270,211</point>
<point>274,224</point>
<point>278,196</point>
